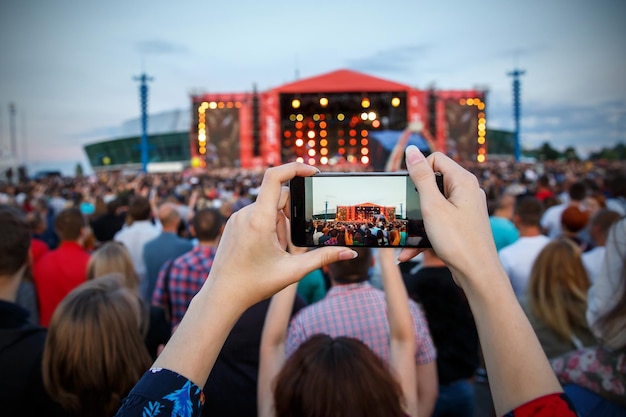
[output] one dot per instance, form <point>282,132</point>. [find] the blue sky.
<point>69,65</point>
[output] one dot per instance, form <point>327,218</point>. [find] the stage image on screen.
<point>462,125</point>
<point>223,137</point>
<point>363,211</point>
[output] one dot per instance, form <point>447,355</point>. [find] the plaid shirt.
<point>187,274</point>
<point>357,310</point>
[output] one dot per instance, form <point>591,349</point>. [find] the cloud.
<point>160,47</point>
<point>397,59</point>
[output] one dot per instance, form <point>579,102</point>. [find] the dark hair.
<point>15,240</point>
<point>352,270</point>
<point>578,191</point>
<point>529,209</point>
<point>207,223</point>
<point>69,223</point>
<point>339,377</point>
<point>139,208</point>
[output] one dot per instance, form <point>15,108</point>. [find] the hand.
<point>457,224</point>
<point>251,263</point>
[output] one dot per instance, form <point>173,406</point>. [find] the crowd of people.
<point>185,287</point>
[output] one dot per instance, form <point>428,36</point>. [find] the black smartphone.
<point>371,209</point>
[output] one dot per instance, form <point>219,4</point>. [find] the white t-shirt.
<point>593,261</point>
<point>551,220</point>
<point>518,259</point>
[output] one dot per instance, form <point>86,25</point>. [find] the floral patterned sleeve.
<point>161,392</point>
<point>552,405</point>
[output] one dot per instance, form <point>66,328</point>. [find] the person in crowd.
<point>551,218</point>
<point>318,233</point>
<point>573,223</point>
<point>48,234</point>
<point>519,257</point>
<point>61,270</point>
<point>556,298</point>
<point>108,224</point>
<point>168,245</point>
<point>37,223</point>
<point>354,308</point>
<point>598,228</point>
<point>180,279</point>
<point>113,258</point>
<point>138,233</point>
<point>329,375</point>
<point>617,193</point>
<point>245,272</point>
<point>544,188</point>
<point>312,286</point>
<point>94,352</point>
<point>21,342</point>
<point>502,227</point>
<point>453,331</point>
<point>595,377</point>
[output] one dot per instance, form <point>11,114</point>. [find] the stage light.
<point>229,104</point>
<point>238,104</point>
<point>481,140</point>
<point>311,161</point>
<point>311,125</point>
<point>480,158</point>
<point>462,102</point>
<point>481,115</point>
<point>300,159</point>
<point>292,117</point>
<point>341,117</point>
<point>365,103</point>
<point>376,123</point>
<point>322,117</point>
<point>352,142</point>
<point>220,105</point>
<point>311,143</point>
<point>323,142</point>
<point>287,143</point>
<point>481,133</point>
<point>481,106</point>
<point>323,160</point>
<point>341,151</point>
<point>323,101</point>
<point>201,110</point>
<point>205,104</point>
<point>312,152</point>
<point>299,117</point>
<point>324,151</point>
<point>298,125</point>
<point>299,133</point>
<point>213,105</point>
<point>395,102</point>
<point>365,160</point>
<point>323,125</point>
<point>482,120</point>
<point>202,150</point>
<point>287,134</point>
<point>364,151</point>
<point>481,151</point>
<point>364,142</point>
<point>364,133</point>
<point>299,143</point>
<point>363,116</point>
<point>352,132</point>
<point>310,134</point>
<point>341,142</point>
<point>201,126</point>
<point>351,158</point>
<point>323,133</point>
<point>295,103</point>
<point>481,126</point>
<point>470,102</point>
<point>371,115</point>
<point>316,117</point>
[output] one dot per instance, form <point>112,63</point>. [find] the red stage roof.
<point>341,81</point>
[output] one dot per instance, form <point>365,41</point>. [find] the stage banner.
<point>270,126</point>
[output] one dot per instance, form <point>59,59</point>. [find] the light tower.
<point>516,74</point>
<point>143,97</point>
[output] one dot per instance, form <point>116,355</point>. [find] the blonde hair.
<point>557,290</point>
<point>113,257</point>
<point>94,353</point>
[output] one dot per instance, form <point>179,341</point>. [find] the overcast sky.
<point>69,65</point>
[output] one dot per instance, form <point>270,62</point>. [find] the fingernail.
<point>413,155</point>
<point>347,255</point>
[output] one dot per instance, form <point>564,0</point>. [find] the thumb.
<point>421,173</point>
<point>311,260</point>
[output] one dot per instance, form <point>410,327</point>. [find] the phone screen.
<point>356,209</point>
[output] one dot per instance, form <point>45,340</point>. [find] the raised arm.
<point>401,334</point>
<point>458,227</point>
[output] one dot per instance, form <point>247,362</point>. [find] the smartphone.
<point>370,209</point>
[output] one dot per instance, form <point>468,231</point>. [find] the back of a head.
<point>529,210</point>
<point>69,224</point>
<point>14,240</point>
<point>208,223</point>
<point>601,223</point>
<point>338,377</point>
<point>168,215</point>
<point>557,289</point>
<point>113,258</point>
<point>578,191</point>
<point>94,353</point>
<point>352,270</point>
<point>139,208</point>
<point>574,219</point>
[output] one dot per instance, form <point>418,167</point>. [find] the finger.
<point>422,175</point>
<point>407,254</point>
<point>311,260</point>
<point>273,179</point>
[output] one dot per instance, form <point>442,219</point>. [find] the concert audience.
<point>518,257</point>
<point>502,227</point>
<point>595,377</point>
<point>94,352</point>
<point>598,228</point>
<point>551,218</point>
<point>21,342</point>
<point>556,299</point>
<point>353,307</point>
<point>63,269</point>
